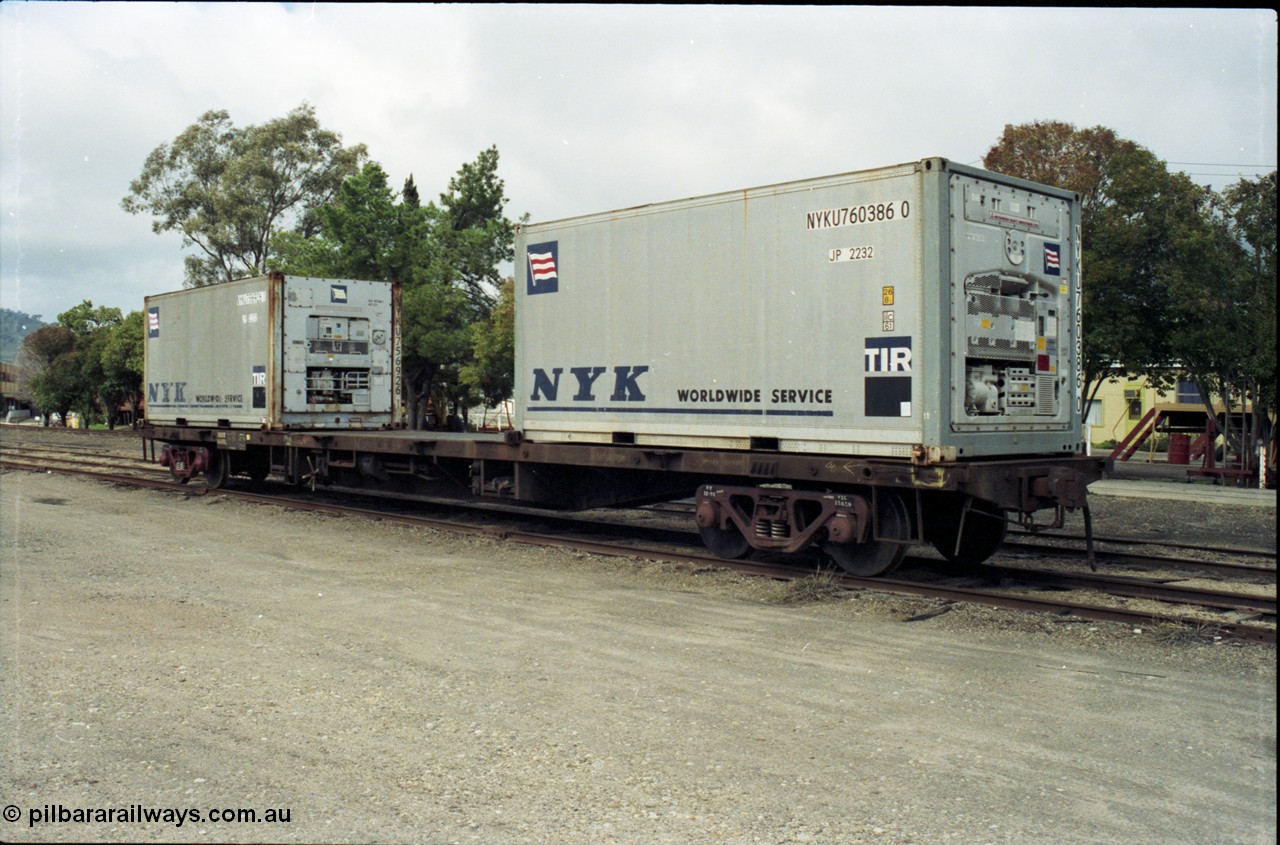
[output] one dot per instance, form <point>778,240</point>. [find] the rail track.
<point>1039,577</point>
<point>1111,549</point>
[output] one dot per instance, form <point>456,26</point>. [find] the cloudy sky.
<point>591,107</point>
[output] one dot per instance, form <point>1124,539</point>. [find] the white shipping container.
<point>926,310</point>
<point>275,352</point>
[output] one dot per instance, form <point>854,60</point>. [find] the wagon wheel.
<point>876,557</point>
<point>215,475</point>
<point>727,543</point>
<point>985,526</point>
<point>256,466</point>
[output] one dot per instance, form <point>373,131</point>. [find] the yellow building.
<point>1173,420</point>
<point>1121,405</point>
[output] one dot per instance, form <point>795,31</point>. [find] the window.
<point>1133,398</point>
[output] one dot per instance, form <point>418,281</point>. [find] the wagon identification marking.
<point>852,253</point>
<point>857,215</point>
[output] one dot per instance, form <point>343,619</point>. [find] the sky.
<point>592,108</point>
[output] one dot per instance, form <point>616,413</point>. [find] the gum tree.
<point>227,190</point>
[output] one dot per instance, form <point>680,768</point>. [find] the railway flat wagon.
<point>860,363</point>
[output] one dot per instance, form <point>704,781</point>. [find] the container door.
<point>1013,303</point>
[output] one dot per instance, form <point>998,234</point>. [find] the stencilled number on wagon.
<point>854,215</point>
<point>853,253</point>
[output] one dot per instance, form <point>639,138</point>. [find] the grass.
<point>811,589</point>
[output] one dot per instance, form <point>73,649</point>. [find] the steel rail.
<point>1112,556</point>
<point>1146,561</point>
<point>1129,541</point>
<point>1237,630</point>
<point>1117,585</point>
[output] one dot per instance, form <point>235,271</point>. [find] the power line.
<point>1213,164</point>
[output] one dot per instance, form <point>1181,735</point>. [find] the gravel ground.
<point>390,684</point>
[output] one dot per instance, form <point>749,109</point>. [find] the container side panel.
<point>207,355</point>
<point>787,313</point>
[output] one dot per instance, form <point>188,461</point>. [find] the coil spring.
<point>770,529</point>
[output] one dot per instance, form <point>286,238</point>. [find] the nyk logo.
<point>626,385</point>
<point>160,391</point>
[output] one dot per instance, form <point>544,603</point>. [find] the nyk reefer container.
<point>275,352</point>
<point>927,310</point>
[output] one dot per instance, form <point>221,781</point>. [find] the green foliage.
<point>227,191</point>
<point>84,319</point>
<point>90,362</point>
<point>14,326</point>
<point>1224,327</point>
<point>446,257</point>
<point>1154,249</point>
<point>478,237</point>
<point>491,371</point>
<point>41,361</point>
<point>1178,281</point>
<point>1055,153</point>
<point>1250,207</point>
<point>121,356</point>
<point>435,333</point>
<point>1101,169</point>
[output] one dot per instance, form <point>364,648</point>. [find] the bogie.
<point>867,531</point>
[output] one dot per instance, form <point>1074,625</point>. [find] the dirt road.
<point>389,684</point>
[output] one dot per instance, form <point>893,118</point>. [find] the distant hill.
<point>14,326</point>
